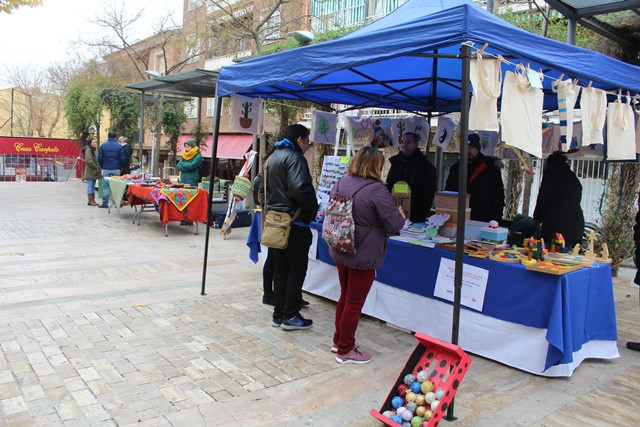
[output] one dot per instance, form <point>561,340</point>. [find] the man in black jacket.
<point>412,167</point>
<point>289,188</point>
<point>484,183</point>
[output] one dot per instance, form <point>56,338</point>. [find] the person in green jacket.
<point>190,164</point>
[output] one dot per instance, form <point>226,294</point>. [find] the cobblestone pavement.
<point>102,323</point>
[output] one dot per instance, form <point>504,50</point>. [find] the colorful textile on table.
<point>180,197</point>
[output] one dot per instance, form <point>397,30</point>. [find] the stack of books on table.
<point>414,231</point>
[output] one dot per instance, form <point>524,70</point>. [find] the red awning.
<point>30,146</point>
<point>230,146</point>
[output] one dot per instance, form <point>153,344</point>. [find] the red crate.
<point>446,364</point>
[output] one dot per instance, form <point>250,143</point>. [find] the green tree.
<point>124,110</point>
<point>7,6</point>
<point>84,103</point>
<point>173,119</point>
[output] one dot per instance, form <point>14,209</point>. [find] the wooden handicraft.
<point>554,267</point>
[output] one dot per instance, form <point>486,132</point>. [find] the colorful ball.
<point>397,402</point>
<point>388,414</point>
<point>411,406</point>
<point>434,404</point>
<point>420,399</point>
<point>422,376</point>
<point>429,397</point>
<point>426,386</point>
<point>416,421</point>
<point>406,424</point>
<point>406,415</point>
<point>410,397</point>
<point>420,410</point>
<point>409,379</point>
<point>439,393</point>
<point>397,419</point>
<point>415,387</point>
<point>428,414</point>
<point>402,390</point>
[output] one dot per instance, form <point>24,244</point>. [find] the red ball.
<point>402,390</point>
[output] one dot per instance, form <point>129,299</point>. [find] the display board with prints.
<point>333,168</point>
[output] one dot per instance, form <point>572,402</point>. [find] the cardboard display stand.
<point>402,196</point>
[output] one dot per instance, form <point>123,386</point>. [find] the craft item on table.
<point>402,196</point>
<point>604,255</point>
<point>476,251</point>
<point>437,220</point>
<point>414,230</point>
<point>557,244</point>
<point>536,248</point>
<point>591,251</point>
<point>505,256</point>
<point>571,258</point>
<point>179,197</point>
<point>494,234</point>
<point>554,267</point>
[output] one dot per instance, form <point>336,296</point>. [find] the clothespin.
<point>589,85</point>
<point>481,50</point>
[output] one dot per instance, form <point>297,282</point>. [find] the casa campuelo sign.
<point>39,146</point>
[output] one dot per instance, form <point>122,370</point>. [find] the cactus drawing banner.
<point>245,114</point>
<point>324,127</point>
<point>414,124</point>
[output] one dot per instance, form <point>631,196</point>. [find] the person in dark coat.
<point>111,158</point>
<point>412,166</point>
<point>289,187</point>
<point>484,182</point>
<point>558,205</point>
<point>92,171</point>
<point>376,216</point>
<point>126,167</point>
<point>635,345</point>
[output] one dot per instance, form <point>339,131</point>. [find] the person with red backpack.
<point>376,216</point>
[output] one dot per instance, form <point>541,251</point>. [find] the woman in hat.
<point>190,164</point>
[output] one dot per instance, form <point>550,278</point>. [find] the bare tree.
<point>236,22</point>
<point>35,103</point>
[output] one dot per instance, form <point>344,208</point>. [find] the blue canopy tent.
<point>417,59</point>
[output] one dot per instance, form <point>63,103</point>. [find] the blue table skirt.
<point>575,308</point>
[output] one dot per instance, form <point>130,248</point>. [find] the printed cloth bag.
<point>338,227</point>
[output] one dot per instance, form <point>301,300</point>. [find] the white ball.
<point>439,393</point>
<point>434,404</point>
<point>429,397</point>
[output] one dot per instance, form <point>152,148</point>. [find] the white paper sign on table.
<point>474,283</point>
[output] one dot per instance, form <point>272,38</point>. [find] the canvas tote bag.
<point>276,226</point>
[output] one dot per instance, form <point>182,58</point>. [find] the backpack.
<point>338,226</point>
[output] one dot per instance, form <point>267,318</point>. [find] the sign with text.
<point>474,283</point>
<point>39,146</point>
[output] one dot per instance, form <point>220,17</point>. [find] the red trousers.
<point>354,288</point>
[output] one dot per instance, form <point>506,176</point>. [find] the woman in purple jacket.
<point>376,216</point>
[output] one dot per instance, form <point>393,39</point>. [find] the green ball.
<point>416,421</point>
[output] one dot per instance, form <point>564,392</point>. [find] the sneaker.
<point>305,303</point>
<point>103,206</point>
<point>296,322</point>
<point>631,345</point>
<point>334,347</point>
<point>354,356</point>
<point>268,299</point>
<point>276,322</point>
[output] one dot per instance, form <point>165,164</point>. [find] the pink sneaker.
<point>354,356</point>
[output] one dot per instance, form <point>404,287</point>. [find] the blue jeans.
<point>106,173</point>
<point>91,186</point>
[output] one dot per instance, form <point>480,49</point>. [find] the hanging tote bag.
<point>486,79</point>
<point>621,131</point>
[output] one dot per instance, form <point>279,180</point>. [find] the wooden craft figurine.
<point>604,255</point>
<point>576,249</point>
<point>535,248</point>
<point>591,252</point>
